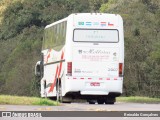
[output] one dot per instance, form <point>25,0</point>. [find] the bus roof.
<point>83,16</point>
<point>65,19</point>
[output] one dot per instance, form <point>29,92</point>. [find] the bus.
<point>83,58</point>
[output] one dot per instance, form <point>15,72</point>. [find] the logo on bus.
<point>93,51</point>
<point>80,51</point>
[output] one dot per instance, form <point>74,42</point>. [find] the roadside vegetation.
<point>137,99</point>
<point>21,34</point>
<point>23,100</point>
<point>142,44</point>
<point>17,100</point>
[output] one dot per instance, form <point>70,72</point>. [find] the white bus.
<point>83,58</point>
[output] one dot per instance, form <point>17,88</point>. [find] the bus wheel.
<point>91,101</point>
<point>110,100</point>
<point>111,103</point>
<point>100,101</point>
<point>66,99</point>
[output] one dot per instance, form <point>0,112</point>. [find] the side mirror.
<point>38,69</point>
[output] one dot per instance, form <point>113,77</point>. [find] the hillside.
<point>21,33</point>
<point>142,44</point>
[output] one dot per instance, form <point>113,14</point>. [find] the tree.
<point>141,44</point>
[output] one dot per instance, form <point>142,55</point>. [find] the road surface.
<point>84,107</point>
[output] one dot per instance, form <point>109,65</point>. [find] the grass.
<point>137,99</point>
<point>21,100</point>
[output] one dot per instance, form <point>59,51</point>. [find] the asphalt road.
<point>84,107</point>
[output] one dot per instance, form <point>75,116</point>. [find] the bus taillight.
<point>69,68</point>
<point>120,69</point>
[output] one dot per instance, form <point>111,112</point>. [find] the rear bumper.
<point>94,87</point>
<point>77,95</point>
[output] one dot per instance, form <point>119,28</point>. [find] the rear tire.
<point>66,100</point>
<point>110,100</point>
<point>100,101</point>
<point>91,102</point>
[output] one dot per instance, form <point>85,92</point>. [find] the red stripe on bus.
<point>60,68</point>
<point>108,79</point>
<point>54,81</point>
<point>48,56</point>
<point>58,72</point>
<point>89,78</point>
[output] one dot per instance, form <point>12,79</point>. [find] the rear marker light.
<point>120,69</point>
<point>69,68</point>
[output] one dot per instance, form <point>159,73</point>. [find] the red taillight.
<point>69,68</point>
<point>120,69</point>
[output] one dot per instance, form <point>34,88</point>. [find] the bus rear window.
<point>95,35</point>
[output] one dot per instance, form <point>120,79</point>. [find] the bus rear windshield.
<point>96,35</point>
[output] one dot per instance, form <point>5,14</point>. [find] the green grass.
<point>21,100</point>
<point>137,99</point>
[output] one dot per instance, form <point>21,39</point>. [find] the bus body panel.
<point>94,57</point>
